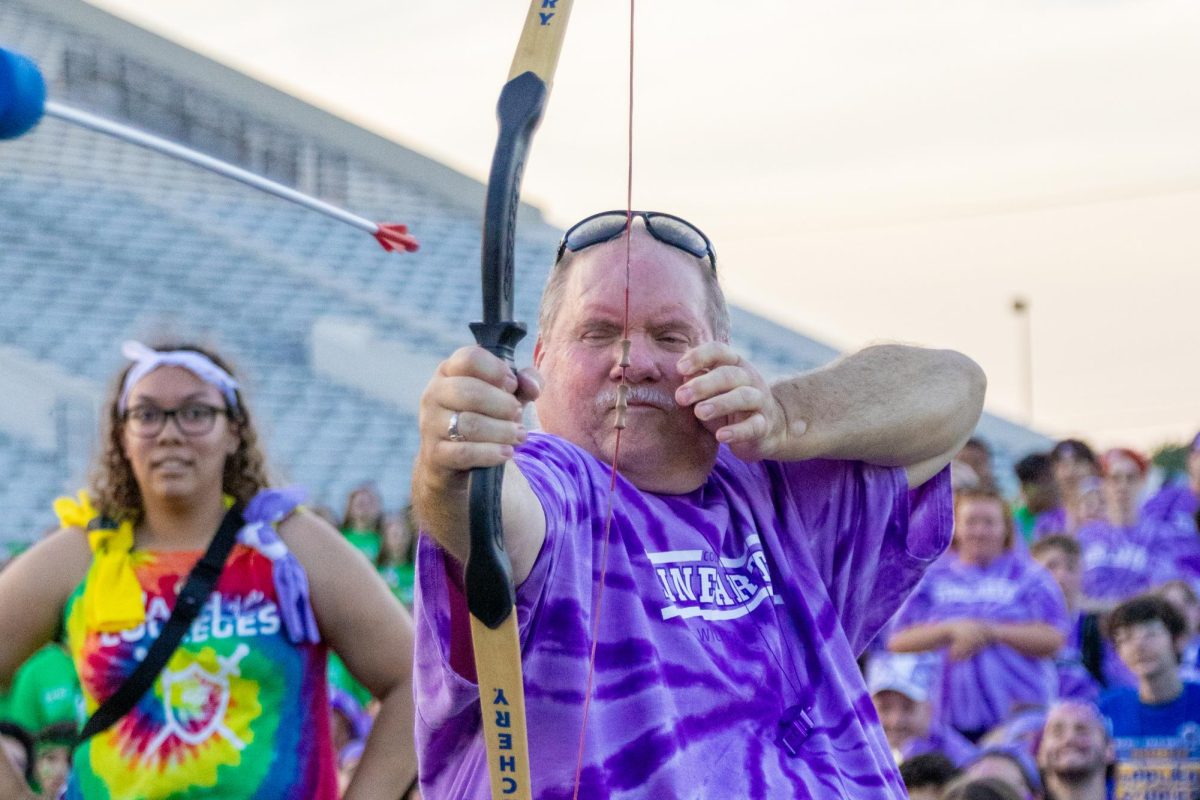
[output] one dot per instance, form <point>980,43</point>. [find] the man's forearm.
<point>889,404</point>
<point>442,510</point>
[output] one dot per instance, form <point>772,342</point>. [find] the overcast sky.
<point>878,170</point>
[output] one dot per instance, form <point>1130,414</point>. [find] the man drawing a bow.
<point>760,536</point>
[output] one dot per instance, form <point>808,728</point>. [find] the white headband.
<point>146,360</point>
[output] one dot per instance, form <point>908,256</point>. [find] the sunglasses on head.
<point>666,228</point>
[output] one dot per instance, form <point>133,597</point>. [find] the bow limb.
<point>491,597</point>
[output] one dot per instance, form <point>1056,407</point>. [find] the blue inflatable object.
<point>22,94</point>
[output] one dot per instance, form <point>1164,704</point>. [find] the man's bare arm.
<point>890,405</point>
<point>489,400</point>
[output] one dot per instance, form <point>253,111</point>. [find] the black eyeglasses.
<point>194,419</point>
<point>666,228</point>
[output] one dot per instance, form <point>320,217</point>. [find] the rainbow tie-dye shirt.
<point>239,711</point>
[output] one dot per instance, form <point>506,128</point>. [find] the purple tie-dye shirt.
<point>1120,562</point>
<point>724,608</point>
<point>977,693</point>
<point>1175,503</point>
<point>1051,521</point>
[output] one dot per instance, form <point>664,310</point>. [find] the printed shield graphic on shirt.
<point>196,699</point>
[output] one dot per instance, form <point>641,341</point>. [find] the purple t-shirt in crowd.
<point>723,610</point>
<point>978,692</point>
<point>1053,520</point>
<point>1174,503</point>
<point>1177,548</point>
<point>1120,562</point>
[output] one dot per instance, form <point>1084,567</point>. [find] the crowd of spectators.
<point>1050,653</point>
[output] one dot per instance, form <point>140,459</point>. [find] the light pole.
<point>1021,307</point>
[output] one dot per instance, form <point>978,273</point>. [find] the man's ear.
<point>538,352</point>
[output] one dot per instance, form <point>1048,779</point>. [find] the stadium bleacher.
<point>102,241</point>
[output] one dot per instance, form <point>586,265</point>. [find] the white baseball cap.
<point>910,674</point>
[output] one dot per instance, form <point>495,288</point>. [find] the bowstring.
<point>619,424</point>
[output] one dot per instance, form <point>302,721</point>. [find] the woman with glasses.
<point>240,708</point>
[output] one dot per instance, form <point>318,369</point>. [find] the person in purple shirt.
<point>760,537</point>
<point>995,617</point>
<point>899,684</point>
<point>1088,663</point>
<point>1124,555</point>
<point>1178,502</point>
<point>1072,463</point>
<point>1079,663</point>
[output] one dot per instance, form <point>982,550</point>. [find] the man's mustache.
<point>638,395</point>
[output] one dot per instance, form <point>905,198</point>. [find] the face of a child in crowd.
<point>1122,482</point>
<point>902,717</point>
<point>1067,572</point>
<point>1147,649</point>
<point>364,508</point>
<point>1089,503</point>
<point>1069,471</point>
<point>52,766</point>
<point>980,531</point>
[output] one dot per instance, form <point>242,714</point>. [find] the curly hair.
<point>114,489</point>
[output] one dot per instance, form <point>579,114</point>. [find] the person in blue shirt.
<point>1155,727</point>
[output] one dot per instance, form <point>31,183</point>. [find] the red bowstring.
<point>612,485</point>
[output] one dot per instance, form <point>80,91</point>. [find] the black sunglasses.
<point>666,228</point>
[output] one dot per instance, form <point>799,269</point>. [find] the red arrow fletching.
<point>395,238</point>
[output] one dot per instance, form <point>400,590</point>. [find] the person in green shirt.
<point>45,690</point>
<point>1038,492</point>
<point>398,553</point>
<point>362,522</point>
<point>389,543</point>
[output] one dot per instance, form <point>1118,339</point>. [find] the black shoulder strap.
<point>200,584</point>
